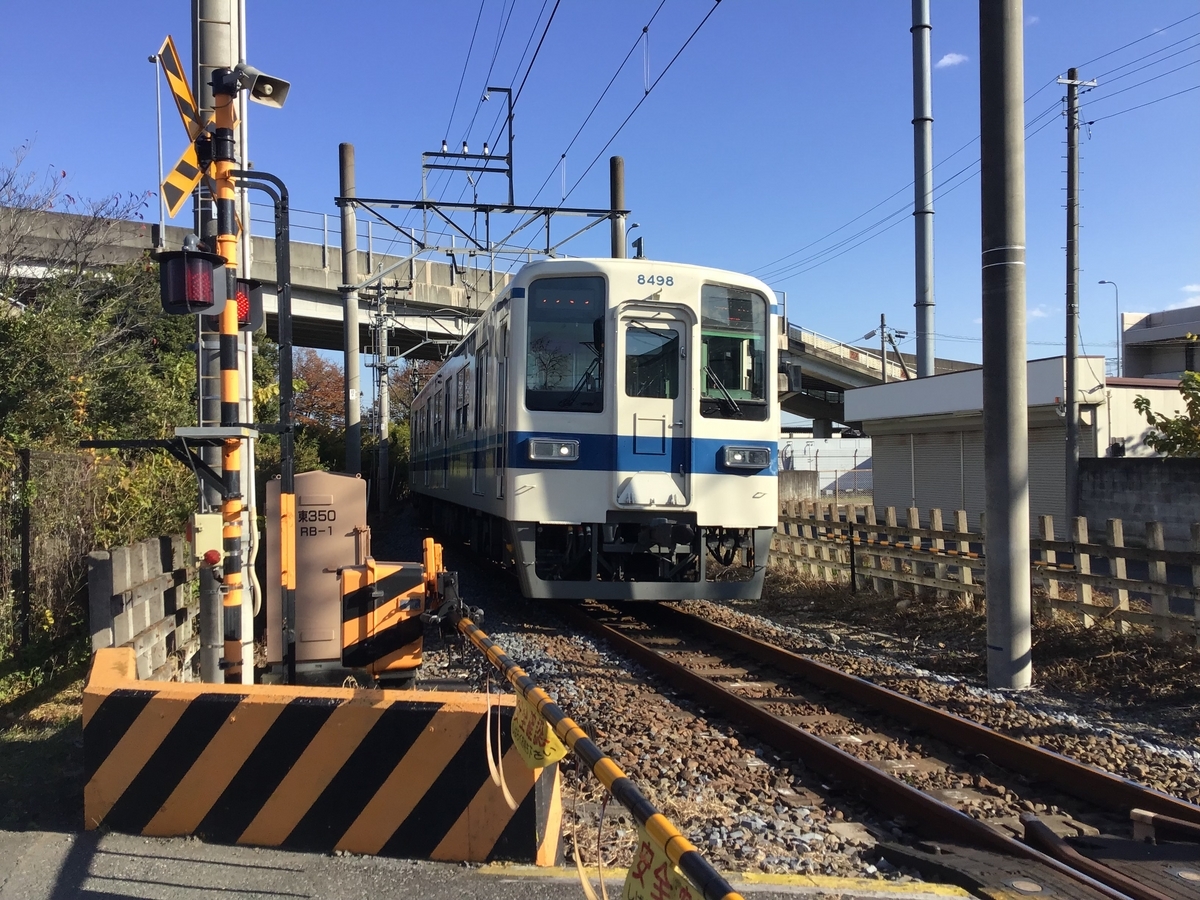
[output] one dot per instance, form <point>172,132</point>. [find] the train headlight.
<point>559,451</point>
<point>747,457</point>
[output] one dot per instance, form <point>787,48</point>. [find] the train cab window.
<point>733,355</point>
<point>564,369</point>
<point>651,362</point>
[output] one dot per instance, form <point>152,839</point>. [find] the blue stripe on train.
<point>612,452</point>
<point>609,452</point>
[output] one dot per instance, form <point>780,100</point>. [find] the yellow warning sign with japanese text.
<point>537,743</point>
<point>653,877</point>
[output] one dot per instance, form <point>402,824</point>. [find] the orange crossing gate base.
<point>394,773</point>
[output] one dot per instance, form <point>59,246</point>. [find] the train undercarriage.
<point>630,556</point>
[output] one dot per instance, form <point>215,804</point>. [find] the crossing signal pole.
<point>225,87</point>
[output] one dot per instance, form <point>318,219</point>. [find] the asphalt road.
<point>43,865</point>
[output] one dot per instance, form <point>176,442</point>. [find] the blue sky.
<point>780,123</point>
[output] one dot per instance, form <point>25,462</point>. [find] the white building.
<point>927,434</point>
<point>1157,345</point>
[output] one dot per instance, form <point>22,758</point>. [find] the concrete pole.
<point>1005,414</point>
<point>616,195</point>
<point>350,310</point>
<point>923,183</point>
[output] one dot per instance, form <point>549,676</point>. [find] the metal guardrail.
<point>864,359</point>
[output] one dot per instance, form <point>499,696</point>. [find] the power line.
<point>1147,81</point>
<point>1195,87</point>
<point>1137,41</point>
<point>901,211</point>
<point>1147,56</point>
<point>887,218</point>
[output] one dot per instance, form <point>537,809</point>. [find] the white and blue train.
<point>608,429</point>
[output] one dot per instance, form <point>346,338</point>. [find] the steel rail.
<point>679,850</point>
<point>1070,776</point>
<point>883,789</point>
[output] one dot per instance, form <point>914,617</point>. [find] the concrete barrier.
<point>798,484</point>
<point>394,773</point>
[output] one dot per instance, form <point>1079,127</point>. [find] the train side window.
<point>564,369</point>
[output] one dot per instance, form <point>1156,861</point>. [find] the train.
<point>608,429</point>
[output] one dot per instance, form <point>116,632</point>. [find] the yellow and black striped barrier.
<point>394,773</point>
<point>382,630</point>
<point>668,839</point>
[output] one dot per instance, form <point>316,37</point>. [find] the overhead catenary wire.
<point>600,99</point>
<point>636,106</point>
<point>466,63</point>
<point>642,100</point>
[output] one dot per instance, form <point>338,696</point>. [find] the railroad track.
<point>981,808</point>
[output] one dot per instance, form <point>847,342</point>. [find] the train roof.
<point>605,263</point>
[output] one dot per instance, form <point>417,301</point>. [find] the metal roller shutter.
<point>892,471</point>
<point>973,476</point>
<point>1047,477</point>
<point>936,469</point>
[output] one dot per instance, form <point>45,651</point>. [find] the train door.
<point>447,431</point>
<point>501,408</point>
<point>477,451</point>
<point>653,441</point>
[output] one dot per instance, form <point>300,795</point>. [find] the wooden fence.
<point>856,545</point>
<point>141,597</point>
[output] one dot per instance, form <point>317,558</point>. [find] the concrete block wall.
<point>1143,490</point>
<point>141,597</point>
<point>799,484</point>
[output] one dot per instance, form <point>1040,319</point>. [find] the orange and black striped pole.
<point>225,88</point>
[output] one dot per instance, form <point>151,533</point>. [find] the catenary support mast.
<point>923,185</point>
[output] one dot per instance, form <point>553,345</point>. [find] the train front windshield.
<point>564,369</point>
<point>733,329</point>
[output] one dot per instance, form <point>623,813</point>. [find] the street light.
<point>1117,303</point>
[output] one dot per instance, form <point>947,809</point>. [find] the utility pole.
<point>616,201</point>
<point>1005,412</point>
<point>923,185</point>
<point>350,310</point>
<point>1071,389</point>
<point>883,344</point>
